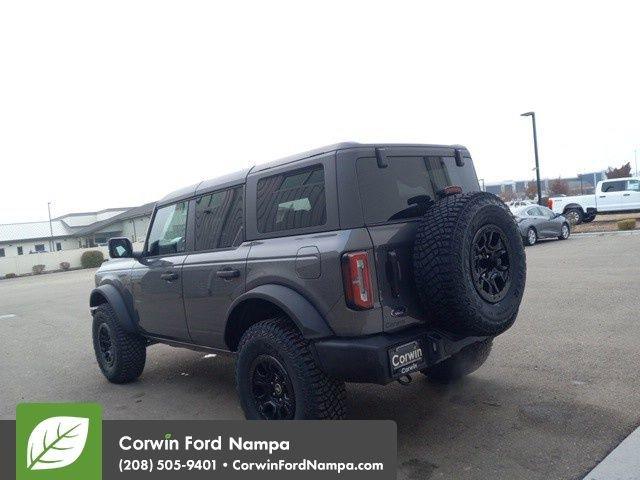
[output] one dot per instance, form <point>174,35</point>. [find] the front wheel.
<point>278,377</point>
<point>564,232</point>
<point>121,354</point>
<point>466,361</point>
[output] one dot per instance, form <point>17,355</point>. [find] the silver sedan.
<point>536,222</point>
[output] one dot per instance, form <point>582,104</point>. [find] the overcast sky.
<point>109,104</point>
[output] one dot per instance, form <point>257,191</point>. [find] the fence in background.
<point>23,264</point>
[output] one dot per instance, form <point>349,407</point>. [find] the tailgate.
<point>395,192</point>
<point>393,252</point>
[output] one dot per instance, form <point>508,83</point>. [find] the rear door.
<point>391,198</point>
<point>214,273</point>
<point>631,196</point>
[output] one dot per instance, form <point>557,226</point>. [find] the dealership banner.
<point>71,441</point>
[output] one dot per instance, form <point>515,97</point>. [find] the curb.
<point>613,233</point>
<point>623,463</point>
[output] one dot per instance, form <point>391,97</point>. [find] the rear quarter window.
<point>291,200</point>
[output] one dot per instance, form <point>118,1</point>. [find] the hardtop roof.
<point>239,177</point>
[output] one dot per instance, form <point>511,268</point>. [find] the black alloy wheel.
<point>271,389</point>
<point>490,264</point>
<point>107,348</point>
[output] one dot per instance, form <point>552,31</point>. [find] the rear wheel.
<point>574,216</point>
<point>466,361</point>
<point>278,377</point>
<point>121,354</point>
<point>469,264</point>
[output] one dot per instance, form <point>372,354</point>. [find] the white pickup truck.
<point>612,196</point>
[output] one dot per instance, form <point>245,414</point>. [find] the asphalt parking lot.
<point>559,391</point>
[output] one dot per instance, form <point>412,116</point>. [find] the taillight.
<point>356,276</point>
<point>550,204</point>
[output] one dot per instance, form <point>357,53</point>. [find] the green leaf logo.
<point>56,442</point>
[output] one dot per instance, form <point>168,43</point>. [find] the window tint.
<point>385,192</point>
<point>291,200</point>
<point>20,251</point>
<point>168,232</point>
<point>219,219</point>
<point>633,185</point>
<point>1,252</point>
<point>618,186</point>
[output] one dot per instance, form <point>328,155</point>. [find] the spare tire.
<point>469,265</point>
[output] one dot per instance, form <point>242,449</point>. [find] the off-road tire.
<point>316,395</point>
<point>574,216</point>
<point>442,263</point>
<point>130,350</point>
<point>532,237</point>
<point>466,361</point>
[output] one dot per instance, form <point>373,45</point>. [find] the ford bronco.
<point>349,263</point>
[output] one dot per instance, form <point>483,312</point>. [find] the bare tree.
<point>622,172</point>
<point>559,186</point>
<point>531,191</point>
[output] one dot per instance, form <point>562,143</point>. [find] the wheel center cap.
<point>277,388</point>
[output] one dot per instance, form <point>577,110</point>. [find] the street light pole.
<point>50,227</point>
<point>535,148</point>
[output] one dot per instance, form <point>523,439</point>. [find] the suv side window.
<point>219,219</point>
<point>168,232</point>
<point>633,185</point>
<point>291,200</point>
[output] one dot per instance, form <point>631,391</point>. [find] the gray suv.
<point>349,263</point>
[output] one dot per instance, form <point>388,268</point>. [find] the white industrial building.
<point>75,230</point>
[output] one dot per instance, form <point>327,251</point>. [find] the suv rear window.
<point>291,200</point>
<point>385,191</point>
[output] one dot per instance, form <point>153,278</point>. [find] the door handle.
<point>602,196</point>
<point>626,194</point>
<point>169,276</point>
<point>228,273</point>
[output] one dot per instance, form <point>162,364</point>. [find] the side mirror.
<point>120,247</point>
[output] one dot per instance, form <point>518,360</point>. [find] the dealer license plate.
<point>406,358</point>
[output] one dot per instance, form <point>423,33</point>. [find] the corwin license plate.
<point>406,358</point>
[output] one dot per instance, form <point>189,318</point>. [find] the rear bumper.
<point>368,359</point>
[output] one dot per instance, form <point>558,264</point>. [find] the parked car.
<point>536,222</point>
<point>350,263</point>
<point>617,195</point>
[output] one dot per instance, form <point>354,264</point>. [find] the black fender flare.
<point>114,298</point>
<point>573,206</point>
<point>306,317</point>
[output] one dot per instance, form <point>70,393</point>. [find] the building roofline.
<point>97,212</point>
